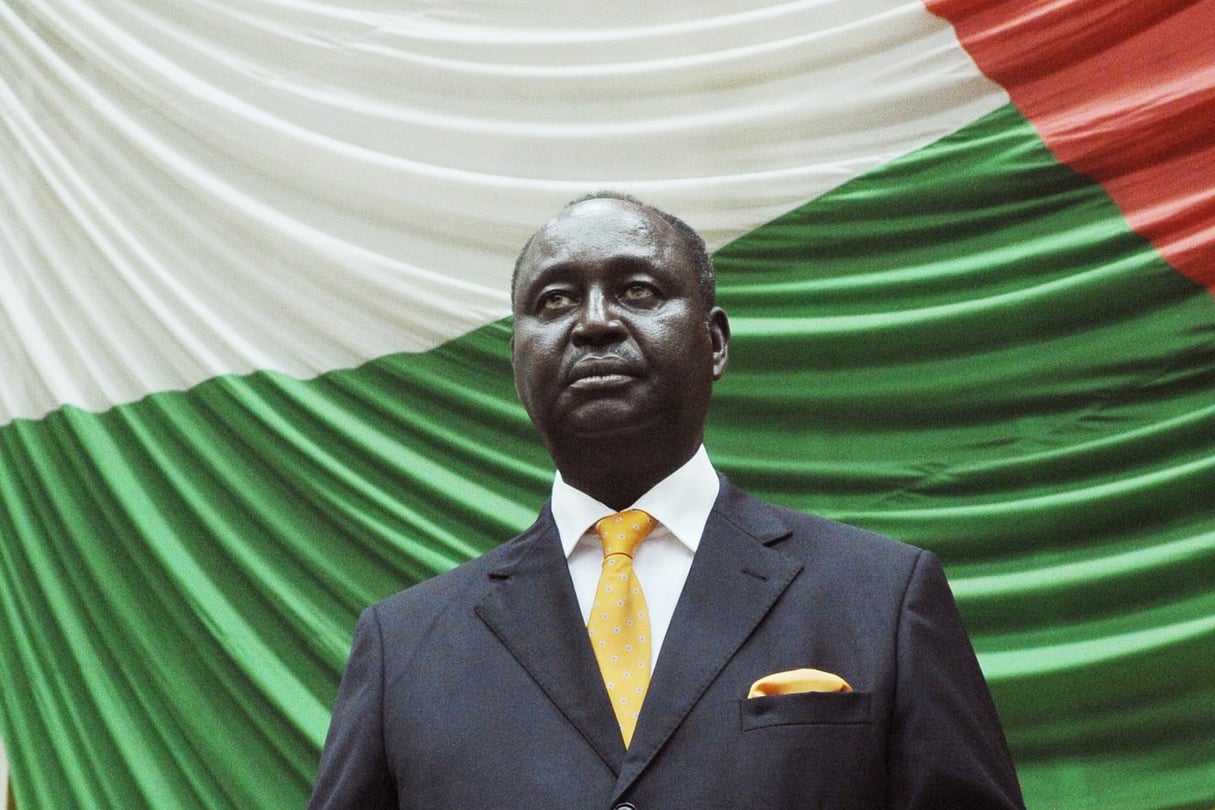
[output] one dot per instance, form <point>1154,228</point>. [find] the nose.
<point>598,321</point>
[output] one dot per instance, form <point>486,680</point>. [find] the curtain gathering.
<point>254,325</point>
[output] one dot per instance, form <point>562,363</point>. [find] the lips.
<point>599,372</point>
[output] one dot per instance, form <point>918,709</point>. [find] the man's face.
<point>611,335</point>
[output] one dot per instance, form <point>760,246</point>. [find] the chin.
<point>590,425</point>
<point>606,429</point>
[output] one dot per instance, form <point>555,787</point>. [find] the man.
<point>777,660</point>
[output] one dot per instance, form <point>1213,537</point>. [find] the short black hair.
<point>693,244</point>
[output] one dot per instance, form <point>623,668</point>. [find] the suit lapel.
<point>734,581</point>
<point>531,607</point>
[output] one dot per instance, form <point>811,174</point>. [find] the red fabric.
<point>1122,91</point>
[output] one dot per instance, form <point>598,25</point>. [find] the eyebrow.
<point>619,265</point>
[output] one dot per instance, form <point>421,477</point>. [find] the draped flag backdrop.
<point>254,258</point>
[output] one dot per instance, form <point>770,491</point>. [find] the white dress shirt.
<point>680,503</point>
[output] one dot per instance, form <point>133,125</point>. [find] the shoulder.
<point>460,586</point>
<point>820,544</point>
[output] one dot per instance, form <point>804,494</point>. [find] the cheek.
<point>528,333</point>
<point>520,366</point>
<point>684,342</point>
<point>532,373</point>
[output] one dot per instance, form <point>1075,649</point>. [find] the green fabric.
<point>992,366</point>
<point>966,349</point>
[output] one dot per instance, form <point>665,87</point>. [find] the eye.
<point>556,299</point>
<point>637,291</point>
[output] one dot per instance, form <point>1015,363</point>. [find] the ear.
<point>719,334</point>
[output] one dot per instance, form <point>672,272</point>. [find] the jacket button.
<point>625,806</point>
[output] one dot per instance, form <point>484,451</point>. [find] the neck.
<point>618,476</point>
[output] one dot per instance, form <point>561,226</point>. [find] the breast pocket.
<point>805,709</point>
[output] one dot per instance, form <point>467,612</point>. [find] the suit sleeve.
<point>353,770</point>
<point>946,749</point>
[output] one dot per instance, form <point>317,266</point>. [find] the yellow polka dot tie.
<point>619,625</point>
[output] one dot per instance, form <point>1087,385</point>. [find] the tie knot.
<point>622,532</point>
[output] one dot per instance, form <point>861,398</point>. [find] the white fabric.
<point>3,778</point>
<point>680,503</point>
<point>191,189</point>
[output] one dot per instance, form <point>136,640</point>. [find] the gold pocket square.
<point>798,680</point>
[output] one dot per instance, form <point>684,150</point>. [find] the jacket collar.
<point>736,578</point>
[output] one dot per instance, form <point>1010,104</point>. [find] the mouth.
<point>598,373</point>
<point>600,382</point>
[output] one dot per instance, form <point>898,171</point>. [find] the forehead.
<point>600,235</point>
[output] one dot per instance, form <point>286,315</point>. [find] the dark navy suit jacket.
<point>478,689</point>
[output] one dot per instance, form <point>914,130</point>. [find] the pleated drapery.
<point>254,366</point>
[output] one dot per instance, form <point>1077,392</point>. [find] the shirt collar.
<point>681,502</point>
